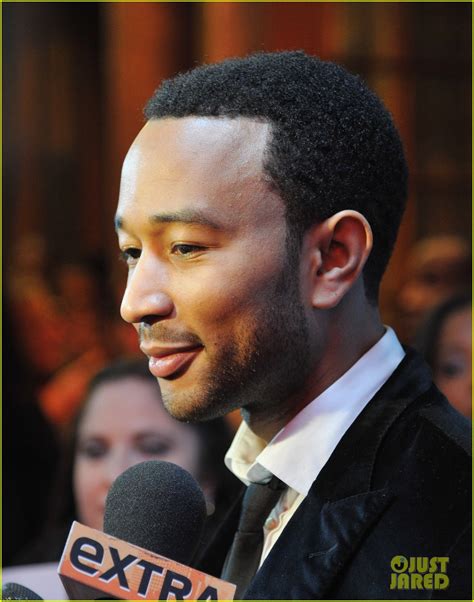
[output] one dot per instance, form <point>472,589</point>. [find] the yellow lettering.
<point>416,581</point>
<point>441,581</point>
<point>403,581</point>
<point>421,564</point>
<point>428,581</point>
<point>393,581</point>
<point>443,563</point>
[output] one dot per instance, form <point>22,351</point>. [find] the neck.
<point>341,348</point>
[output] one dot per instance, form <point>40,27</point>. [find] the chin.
<point>194,406</point>
<point>95,523</point>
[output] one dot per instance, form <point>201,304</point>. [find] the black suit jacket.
<point>398,484</point>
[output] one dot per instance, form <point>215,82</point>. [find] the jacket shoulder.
<point>428,448</point>
<point>450,425</point>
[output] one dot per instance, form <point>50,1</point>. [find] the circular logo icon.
<point>399,564</point>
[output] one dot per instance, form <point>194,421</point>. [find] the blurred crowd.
<point>76,413</point>
<point>66,323</point>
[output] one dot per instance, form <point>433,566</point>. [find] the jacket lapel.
<point>343,503</point>
<point>311,553</point>
<point>210,559</point>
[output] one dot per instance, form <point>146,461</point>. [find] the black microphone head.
<point>14,591</point>
<point>158,506</point>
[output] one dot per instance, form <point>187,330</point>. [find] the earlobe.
<point>339,250</point>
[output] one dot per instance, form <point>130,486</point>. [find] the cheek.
<point>221,299</point>
<point>237,275</point>
<point>209,297</point>
<point>457,391</point>
<point>449,386</point>
<point>184,461</point>
<point>86,483</point>
<point>187,455</point>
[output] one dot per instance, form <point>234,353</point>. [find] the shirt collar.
<point>299,451</point>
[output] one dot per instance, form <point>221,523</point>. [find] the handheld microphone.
<point>157,506</point>
<point>14,591</point>
<point>154,518</point>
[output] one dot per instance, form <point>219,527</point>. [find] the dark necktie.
<point>244,556</point>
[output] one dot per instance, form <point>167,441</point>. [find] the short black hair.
<point>333,146</point>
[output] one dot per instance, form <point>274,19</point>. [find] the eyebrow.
<point>186,216</point>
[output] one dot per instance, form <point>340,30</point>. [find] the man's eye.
<point>129,255</point>
<point>183,250</point>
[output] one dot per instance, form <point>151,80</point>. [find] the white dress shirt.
<point>298,452</point>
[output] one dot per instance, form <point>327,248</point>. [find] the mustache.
<point>159,332</point>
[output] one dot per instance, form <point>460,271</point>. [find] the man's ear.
<point>337,250</point>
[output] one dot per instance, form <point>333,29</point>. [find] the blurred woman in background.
<point>446,342</point>
<point>122,422</point>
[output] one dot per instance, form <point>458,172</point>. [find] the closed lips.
<point>166,362</point>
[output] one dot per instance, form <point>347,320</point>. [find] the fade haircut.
<point>333,144</point>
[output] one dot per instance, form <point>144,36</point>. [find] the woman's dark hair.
<point>427,339</point>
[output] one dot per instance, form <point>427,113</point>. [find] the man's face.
<point>210,289</point>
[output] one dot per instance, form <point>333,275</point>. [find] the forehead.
<point>457,327</point>
<point>200,141</point>
<point>123,401</point>
<point>197,160</point>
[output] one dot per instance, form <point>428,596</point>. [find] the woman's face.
<point>453,363</point>
<point>125,423</point>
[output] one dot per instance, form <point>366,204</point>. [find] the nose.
<point>117,462</point>
<point>145,298</point>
